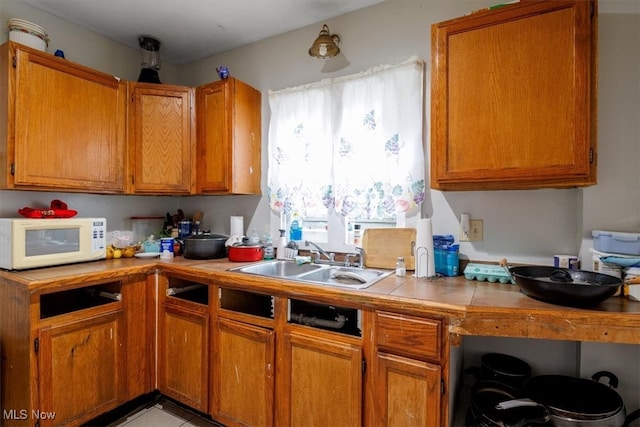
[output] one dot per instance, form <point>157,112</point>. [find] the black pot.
<point>579,401</point>
<point>205,246</point>
<point>563,286</point>
<point>505,368</point>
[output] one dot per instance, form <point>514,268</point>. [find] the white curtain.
<point>352,143</point>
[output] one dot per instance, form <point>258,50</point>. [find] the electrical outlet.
<point>474,233</point>
<point>475,230</point>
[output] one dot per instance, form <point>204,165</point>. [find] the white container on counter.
<point>610,269</point>
<point>144,226</point>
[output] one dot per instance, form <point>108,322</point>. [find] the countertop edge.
<point>469,307</point>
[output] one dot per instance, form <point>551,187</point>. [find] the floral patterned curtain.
<point>352,143</point>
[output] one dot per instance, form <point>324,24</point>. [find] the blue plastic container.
<point>447,261</point>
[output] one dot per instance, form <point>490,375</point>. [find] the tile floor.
<point>159,412</point>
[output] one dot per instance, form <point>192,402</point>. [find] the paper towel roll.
<point>237,226</point>
<point>424,256</point>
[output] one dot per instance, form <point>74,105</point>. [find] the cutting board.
<point>383,246</point>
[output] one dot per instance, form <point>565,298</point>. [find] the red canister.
<point>245,253</point>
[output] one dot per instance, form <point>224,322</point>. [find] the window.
<point>349,148</point>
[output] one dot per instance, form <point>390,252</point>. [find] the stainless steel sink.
<point>331,275</point>
<point>277,268</point>
<point>351,277</point>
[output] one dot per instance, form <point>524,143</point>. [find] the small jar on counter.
<point>401,268</point>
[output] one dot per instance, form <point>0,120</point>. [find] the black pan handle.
<point>613,379</point>
<point>560,276</point>
<point>632,417</point>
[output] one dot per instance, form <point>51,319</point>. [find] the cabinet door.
<point>161,147</point>
<point>183,352</point>
<point>81,368</point>
<point>228,138</point>
<point>69,126</point>
<point>243,376</point>
<point>407,392</point>
<point>321,382</point>
<point>213,162</point>
<point>514,97</point>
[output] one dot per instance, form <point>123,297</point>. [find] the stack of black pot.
<point>505,394</point>
<point>497,397</point>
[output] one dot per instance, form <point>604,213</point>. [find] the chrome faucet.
<point>319,251</point>
<point>362,254</point>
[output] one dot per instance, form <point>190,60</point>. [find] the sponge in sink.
<point>303,260</point>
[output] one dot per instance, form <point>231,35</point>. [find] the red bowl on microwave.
<point>245,253</point>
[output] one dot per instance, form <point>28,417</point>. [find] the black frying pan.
<point>487,394</point>
<point>564,286</point>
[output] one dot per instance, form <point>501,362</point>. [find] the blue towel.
<point>622,262</point>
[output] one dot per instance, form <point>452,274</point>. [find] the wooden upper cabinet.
<point>514,97</point>
<point>62,125</point>
<point>161,145</point>
<point>228,138</point>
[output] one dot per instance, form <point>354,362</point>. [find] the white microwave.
<point>30,243</point>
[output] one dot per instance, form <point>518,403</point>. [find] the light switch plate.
<point>475,230</point>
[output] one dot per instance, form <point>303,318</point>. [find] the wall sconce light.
<point>326,45</point>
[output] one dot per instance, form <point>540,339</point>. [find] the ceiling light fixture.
<point>326,45</point>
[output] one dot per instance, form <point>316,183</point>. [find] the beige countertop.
<point>471,307</point>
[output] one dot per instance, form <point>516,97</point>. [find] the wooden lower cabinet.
<point>408,391</point>
<point>408,380</point>
<point>243,374</point>
<point>238,355</point>
<point>67,349</point>
<point>183,353</point>
<point>81,368</point>
<point>320,380</point>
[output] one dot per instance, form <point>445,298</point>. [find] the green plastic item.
<point>487,272</point>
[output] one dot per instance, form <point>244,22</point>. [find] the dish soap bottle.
<point>268,249</point>
<point>295,231</point>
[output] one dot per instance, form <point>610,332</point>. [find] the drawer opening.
<point>247,302</point>
<point>324,316</point>
<point>188,290</point>
<point>63,302</point>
